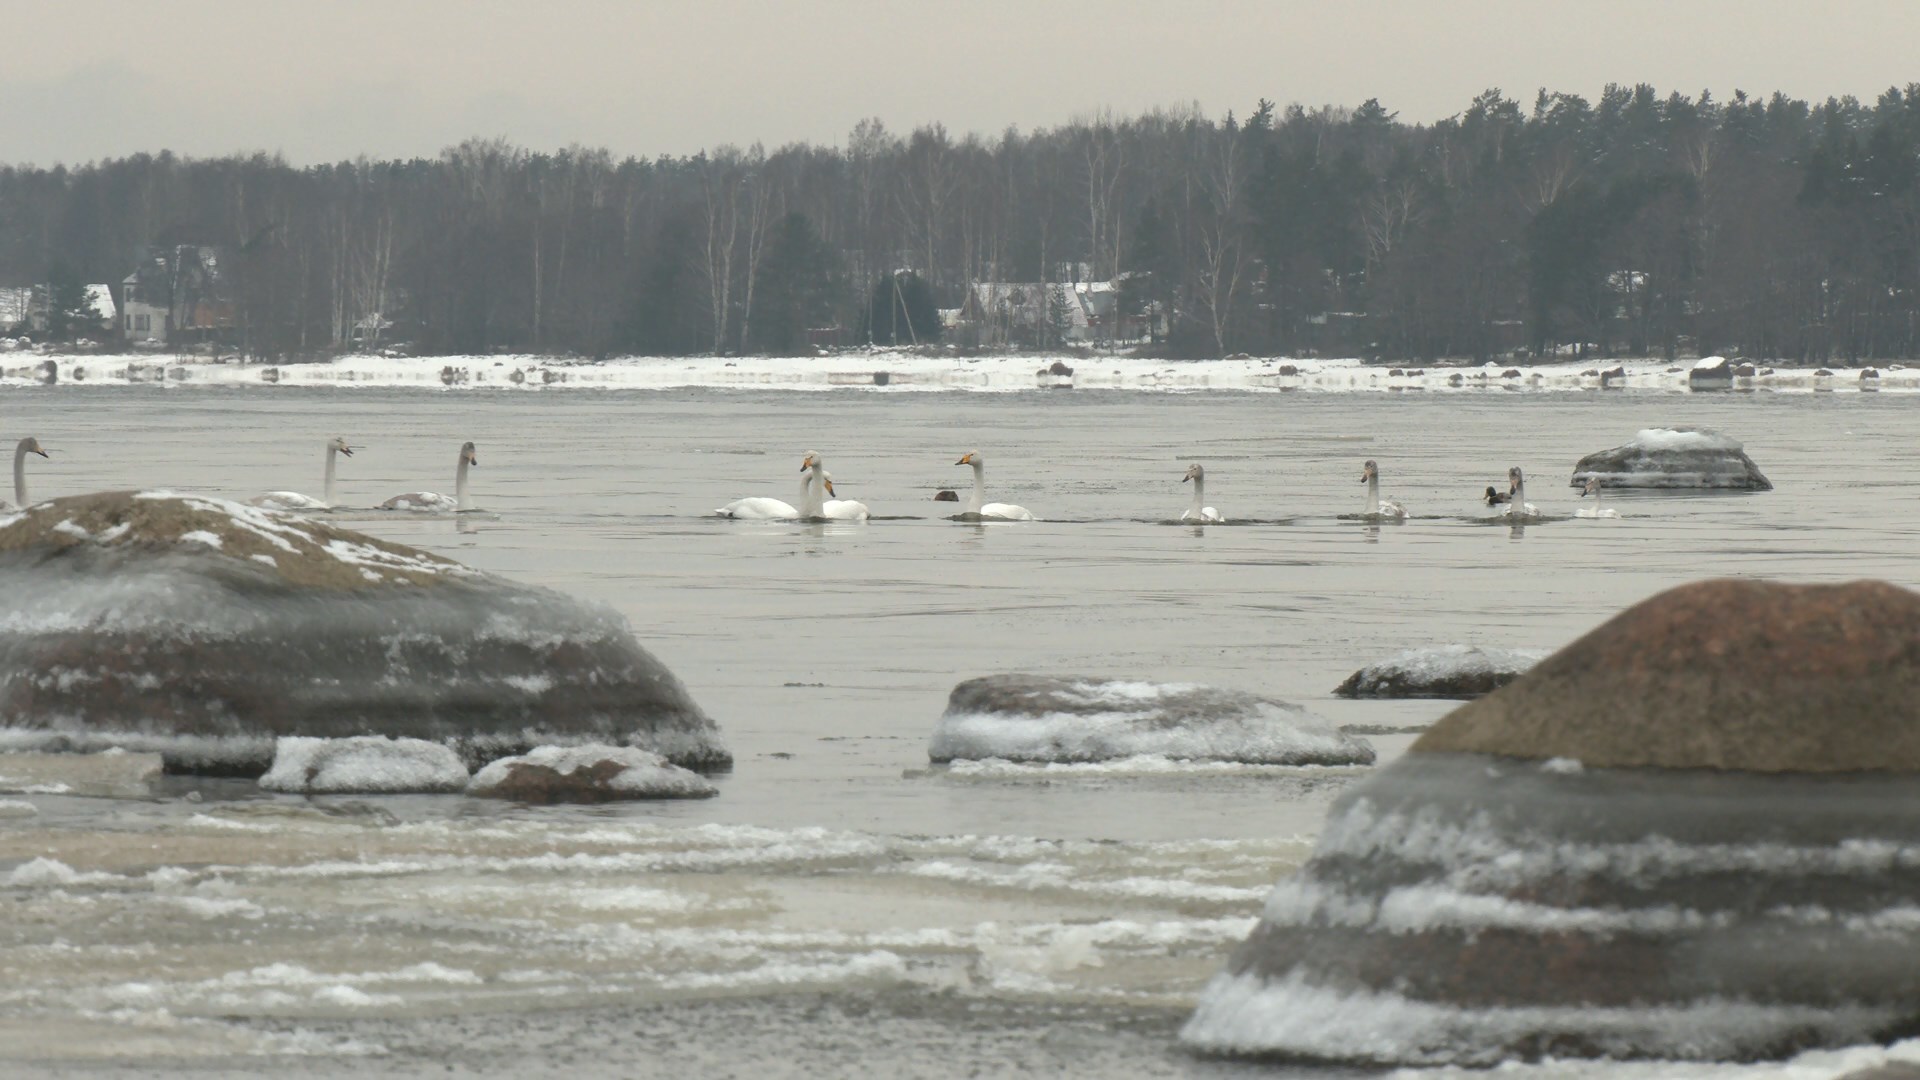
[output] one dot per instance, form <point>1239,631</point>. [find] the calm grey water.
<point>841,905</point>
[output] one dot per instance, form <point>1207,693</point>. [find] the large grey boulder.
<point>1683,458</point>
<point>205,630</point>
<point>1041,718</point>
<point>1693,833</point>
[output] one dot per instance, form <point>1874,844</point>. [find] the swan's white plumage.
<point>977,504</point>
<point>432,502</point>
<point>841,509</point>
<point>1198,511</point>
<point>765,508</point>
<point>1518,506</point>
<point>293,500</point>
<point>1592,487</point>
<point>1377,506</point>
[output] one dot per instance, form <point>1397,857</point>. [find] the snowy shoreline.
<point>912,372</point>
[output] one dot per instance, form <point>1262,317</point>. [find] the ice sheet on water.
<point>642,774</point>
<point>366,764</point>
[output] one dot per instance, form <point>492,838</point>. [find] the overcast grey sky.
<point>328,79</point>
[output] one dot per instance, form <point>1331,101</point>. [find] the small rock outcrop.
<point>1693,833</point>
<point>587,774</point>
<point>364,765</point>
<point>1442,671</point>
<point>206,630</point>
<point>1041,718</point>
<point>1684,458</point>
<point>1711,373</point>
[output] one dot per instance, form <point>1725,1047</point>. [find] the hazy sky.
<point>327,79</point>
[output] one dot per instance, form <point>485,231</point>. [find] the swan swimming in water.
<point>1376,506</point>
<point>293,500</point>
<point>28,445</point>
<point>841,509</point>
<point>1592,487</point>
<point>1517,504</point>
<point>762,508</point>
<point>1199,512</point>
<point>977,506</point>
<point>433,501</point>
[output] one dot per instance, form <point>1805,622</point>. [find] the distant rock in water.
<point>1674,458</point>
<point>1711,373</point>
<point>1693,833</point>
<point>205,630</point>
<point>1443,671</point>
<point>945,495</point>
<point>587,774</point>
<point>1039,718</point>
<point>364,765</point>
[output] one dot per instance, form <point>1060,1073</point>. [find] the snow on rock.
<point>1038,718</point>
<point>587,774</point>
<point>1694,833</point>
<point>1442,671</point>
<point>1674,458</point>
<point>204,630</point>
<point>365,764</point>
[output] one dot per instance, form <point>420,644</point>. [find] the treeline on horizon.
<point>1637,224</point>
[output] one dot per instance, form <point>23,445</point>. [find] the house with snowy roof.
<point>176,295</point>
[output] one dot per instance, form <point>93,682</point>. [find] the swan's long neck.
<point>1199,494</point>
<point>813,493</point>
<point>20,477</point>
<point>979,488</point>
<point>1520,494</point>
<point>327,492</point>
<point>459,486</point>
<point>1373,494</point>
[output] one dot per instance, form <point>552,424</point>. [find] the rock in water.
<point>1443,671</point>
<point>205,630</point>
<point>1038,718</point>
<point>587,774</point>
<point>364,765</point>
<point>1674,458</point>
<point>1693,833</point>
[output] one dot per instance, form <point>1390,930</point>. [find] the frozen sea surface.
<point>841,901</point>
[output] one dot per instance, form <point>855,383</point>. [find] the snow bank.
<point>367,764</point>
<point>1031,718</point>
<point>1441,671</point>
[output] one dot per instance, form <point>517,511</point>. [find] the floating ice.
<point>1036,718</point>
<point>1441,671</point>
<point>363,764</point>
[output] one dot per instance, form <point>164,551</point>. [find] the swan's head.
<point>971,457</point>
<point>811,461</point>
<point>1194,472</point>
<point>31,445</point>
<point>340,445</point>
<point>1369,471</point>
<point>468,456</point>
<point>1591,487</point>
<point>1514,479</point>
<point>827,479</point>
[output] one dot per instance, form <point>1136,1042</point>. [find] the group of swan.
<point>417,501</point>
<point>28,445</point>
<point>816,483</point>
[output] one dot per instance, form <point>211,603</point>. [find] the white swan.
<point>1592,487</point>
<point>1517,504</point>
<point>841,509</point>
<point>28,445</point>
<point>1376,506</point>
<point>293,500</point>
<point>763,508</point>
<point>433,501</point>
<point>977,505</point>
<point>1198,511</point>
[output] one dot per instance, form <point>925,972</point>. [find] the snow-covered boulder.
<point>587,774</point>
<point>205,630</point>
<point>364,764</point>
<point>1039,718</point>
<point>1711,373</point>
<point>1674,458</point>
<point>1441,671</point>
<point>1693,833</point>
